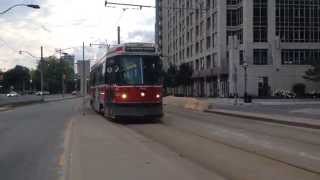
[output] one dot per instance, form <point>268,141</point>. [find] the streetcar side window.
<point>109,70</point>
<point>152,69</point>
<point>100,74</point>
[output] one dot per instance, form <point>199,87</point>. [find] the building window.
<point>201,28</point>
<point>238,33</point>
<point>241,57</point>
<point>300,56</point>
<point>202,62</point>
<point>234,17</point>
<point>208,42</point>
<point>260,20</point>
<point>197,64</point>
<point>197,47</point>
<point>208,62</point>
<point>197,31</point>
<point>298,21</point>
<point>260,56</point>
<point>233,2</point>
<point>214,57</point>
<point>208,24</point>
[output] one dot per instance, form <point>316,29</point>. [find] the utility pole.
<point>245,67</point>
<point>83,81</point>
<point>63,88</point>
<point>62,76</point>
<point>41,73</point>
<point>118,34</point>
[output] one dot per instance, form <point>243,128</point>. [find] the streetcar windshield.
<point>138,70</point>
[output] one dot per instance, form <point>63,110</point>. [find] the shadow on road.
<point>132,121</point>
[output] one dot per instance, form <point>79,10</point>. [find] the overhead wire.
<point>141,6</point>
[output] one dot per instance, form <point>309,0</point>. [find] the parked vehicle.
<point>39,93</point>
<point>12,94</point>
<point>74,93</point>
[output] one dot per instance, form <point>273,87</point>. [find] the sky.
<point>66,24</point>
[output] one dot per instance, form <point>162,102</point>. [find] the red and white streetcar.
<point>126,82</point>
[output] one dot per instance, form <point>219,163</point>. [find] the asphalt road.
<point>31,140</point>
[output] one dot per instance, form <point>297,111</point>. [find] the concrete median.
<point>198,105</point>
<point>285,120</point>
<point>186,102</point>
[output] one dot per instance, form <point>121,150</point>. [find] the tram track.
<point>231,159</point>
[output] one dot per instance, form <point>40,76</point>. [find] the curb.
<point>18,104</point>
<point>60,99</point>
<point>266,118</point>
<point>25,103</point>
<point>5,108</point>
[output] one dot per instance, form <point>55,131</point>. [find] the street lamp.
<point>41,68</point>
<point>245,67</point>
<point>34,6</point>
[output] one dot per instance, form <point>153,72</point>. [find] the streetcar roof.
<point>137,48</point>
<point>132,48</point>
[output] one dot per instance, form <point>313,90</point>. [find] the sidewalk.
<point>99,149</point>
<point>301,113</point>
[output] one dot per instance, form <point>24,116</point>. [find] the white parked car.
<point>39,93</point>
<point>12,94</point>
<point>74,93</point>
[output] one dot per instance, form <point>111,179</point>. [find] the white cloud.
<point>63,24</point>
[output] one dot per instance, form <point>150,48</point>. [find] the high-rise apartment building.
<point>69,59</point>
<point>275,40</point>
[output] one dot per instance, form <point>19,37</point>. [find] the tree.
<point>313,74</point>
<point>170,76</point>
<point>184,74</point>
<point>17,78</point>
<point>53,72</point>
<point>299,89</point>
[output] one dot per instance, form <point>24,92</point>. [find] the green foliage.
<point>18,78</point>
<point>313,74</point>
<point>170,76</point>
<point>53,72</point>
<point>175,77</point>
<point>299,89</point>
<point>184,74</point>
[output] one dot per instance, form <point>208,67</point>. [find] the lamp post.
<point>245,67</point>
<point>34,6</point>
<point>41,68</point>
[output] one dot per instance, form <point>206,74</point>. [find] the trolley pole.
<point>119,34</point>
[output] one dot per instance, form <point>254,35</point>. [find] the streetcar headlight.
<point>158,96</point>
<point>124,96</point>
<point>143,94</point>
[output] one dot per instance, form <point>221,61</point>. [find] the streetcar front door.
<point>109,90</point>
